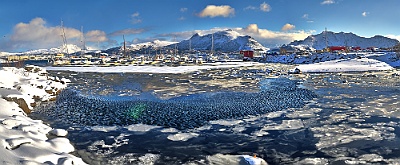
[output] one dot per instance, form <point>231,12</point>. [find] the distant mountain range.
<point>328,38</point>
<point>230,41</point>
<point>225,41</point>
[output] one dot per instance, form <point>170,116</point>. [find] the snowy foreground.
<point>23,140</point>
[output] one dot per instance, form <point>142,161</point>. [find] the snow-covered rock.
<point>23,140</point>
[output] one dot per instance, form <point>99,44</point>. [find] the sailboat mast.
<point>212,43</point>
<point>190,45</point>
<point>64,37</point>
<point>326,39</point>
<point>83,41</point>
<point>123,36</point>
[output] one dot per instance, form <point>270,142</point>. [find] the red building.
<point>247,53</point>
<point>337,48</point>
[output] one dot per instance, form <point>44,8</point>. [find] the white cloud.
<point>127,32</point>
<point>96,36</point>
<point>135,18</point>
<point>397,37</point>
<point>37,35</point>
<point>181,18</point>
<point>252,28</point>
<point>216,11</point>
<point>287,27</point>
<point>184,9</point>
<point>327,2</point>
<point>305,16</point>
<point>265,7</point>
<point>364,14</point>
<point>273,38</point>
<point>250,8</point>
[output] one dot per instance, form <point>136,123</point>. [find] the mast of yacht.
<point>123,36</point>
<point>212,44</point>
<point>65,44</point>
<point>326,39</point>
<point>190,44</point>
<point>83,49</point>
<point>175,49</point>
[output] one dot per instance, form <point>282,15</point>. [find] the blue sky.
<point>34,24</point>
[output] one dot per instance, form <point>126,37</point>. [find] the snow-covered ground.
<point>346,62</point>
<point>23,140</point>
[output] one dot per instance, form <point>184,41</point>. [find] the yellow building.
<point>17,58</point>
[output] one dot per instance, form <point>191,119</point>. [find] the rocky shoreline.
<point>27,141</point>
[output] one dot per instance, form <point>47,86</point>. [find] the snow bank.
<point>23,140</point>
<point>154,69</point>
<point>26,85</point>
<point>347,65</point>
<point>345,62</point>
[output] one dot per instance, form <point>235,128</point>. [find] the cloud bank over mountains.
<point>36,34</point>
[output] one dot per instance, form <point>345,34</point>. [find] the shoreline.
<point>24,140</point>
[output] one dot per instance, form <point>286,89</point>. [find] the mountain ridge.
<point>230,41</point>
<point>328,38</point>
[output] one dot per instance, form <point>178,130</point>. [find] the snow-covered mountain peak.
<point>151,44</point>
<point>328,38</point>
<point>226,40</point>
<point>229,33</point>
<point>70,48</point>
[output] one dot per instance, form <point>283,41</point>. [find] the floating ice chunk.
<point>371,158</point>
<point>182,136</point>
<point>169,130</point>
<point>260,133</point>
<point>252,160</point>
<point>141,127</point>
<point>239,129</point>
<point>65,80</point>
<point>226,122</point>
<point>276,114</point>
<point>286,125</point>
<point>221,159</point>
<point>316,161</point>
<point>104,128</point>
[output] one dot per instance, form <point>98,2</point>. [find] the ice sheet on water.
<point>182,136</point>
<point>285,125</point>
<point>141,127</point>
